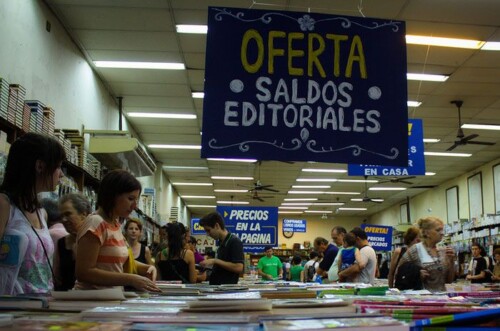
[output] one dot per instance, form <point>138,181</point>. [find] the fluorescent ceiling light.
<point>300,199</point>
<point>413,103</point>
<point>491,46</point>
<point>198,196</point>
<point>431,140</point>
<point>350,208</point>
<point>289,212</point>
<point>162,115</point>
<point>171,146</point>
<point>192,184</point>
<point>361,200</point>
<point>444,42</point>
<point>319,211</point>
<point>231,178</point>
<point>427,77</point>
<point>140,65</point>
<point>292,207</point>
<point>306,192</point>
<point>325,170</point>
<point>328,204</point>
<point>330,180</point>
<point>231,191</point>
<point>233,160</point>
<point>386,188</point>
<point>357,180</point>
<point>296,203</point>
<point>447,154</point>
<point>343,193</point>
<point>311,186</point>
<point>233,202</point>
<point>184,168</point>
<point>191,28</point>
<point>430,173</point>
<point>197,95</point>
<point>201,206</point>
<point>481,126</point>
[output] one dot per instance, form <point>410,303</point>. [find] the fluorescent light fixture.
<point>351,208</point>
<point>413,103</point>
<point>233,202</point>
<point>191,28</point>
<point>481,126</point>
<point>201,206</point>
<point>300,199</point>
<point>328,180</point>
<point>296,203</point>
<point>430,173</point>
<point>197,95</point>
<point>387,188</point>
<point>231,191</point>
<point>306,192</point>
<point>361,200</point>
<point>173,146</point>
<point>311,186</point>
<point>289,212</point>
<point>340,171</point>
<point>231,178</point>
<point>192,184</point>
<point>491,46</point>
<point>162,115</point>
<point>292,207</point>
<point>444,42</point>
<point>431,140</point>
<point>328,204</point>
<point>233,160</point>
<point>447,154</point>
<point>198,196</point>
<point>427,77</point>
<point>184,168</point>
<point>343,193</point>
<point>319,211</point>
<point>357,180</point>
<point>140,65</point>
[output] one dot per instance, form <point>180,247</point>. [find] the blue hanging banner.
<point>305,87</point>
<point>416,158</point>
<point>294,225</point>
<point>256,227</point>
<point>379,237</point>
<point>196,228</point>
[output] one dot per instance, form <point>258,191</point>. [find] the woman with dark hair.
<point>74,208</point>
<point>33,166</point>
<point>176,262</point>
<point>133,233</point>
<point>410,237</point>
<point>102,253</point>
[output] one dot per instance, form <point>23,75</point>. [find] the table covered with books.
<point>255,306</point>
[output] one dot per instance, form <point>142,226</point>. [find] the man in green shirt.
<point>269,266</point>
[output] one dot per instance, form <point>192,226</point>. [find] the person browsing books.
<point>102,253</point>
<point>329,251</point>
<point>229,261</point>
<point>349,255</point>
<point>269,266</point>
<point>33,166</point>
<point>133,233</point>
<point>74,208</point>
<point>478,265</point>
<point>365,272</point>
<point>410,238</point>
<point>496,269</point>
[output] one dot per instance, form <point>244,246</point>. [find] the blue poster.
<point>196,228</point>
<point>379,237</point>
<point>305,87</point>
<point>294,225</point>
<point>255,226</point>
<point>416,158</point>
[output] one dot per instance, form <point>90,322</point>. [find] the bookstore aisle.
<point>257,306</point>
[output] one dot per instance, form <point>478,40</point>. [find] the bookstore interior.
<point>293,150</point>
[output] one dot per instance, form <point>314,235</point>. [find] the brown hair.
<point>410,235</point>
<point>133,220</point>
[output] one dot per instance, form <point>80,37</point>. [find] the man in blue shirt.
<point>329,251</point>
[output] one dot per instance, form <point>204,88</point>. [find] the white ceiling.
<point>144,30</point>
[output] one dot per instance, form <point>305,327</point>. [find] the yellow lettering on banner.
<point>247,37</point>
<point>294,53</point>
<point>273,52</point>
<point>410,126</point>
<point>336,51</point>
<point>313,52</point>
<point>356,48</point>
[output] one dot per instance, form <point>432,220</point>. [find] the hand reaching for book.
<point>144,284</point>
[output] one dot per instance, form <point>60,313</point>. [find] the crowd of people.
<point>66,245</point>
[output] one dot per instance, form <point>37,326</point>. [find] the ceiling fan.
<point>258,186</point>
<point>461,138</point>
<point>366,198</point>
<point>255,196</point>
<point>403,180</point>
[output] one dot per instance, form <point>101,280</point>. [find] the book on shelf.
<point>228,305</point>
<point>373,323</point>
<point>115,293</point>
<point>197,326</point>
<point>23,302</point>
<point>27,325</point>
<point>124,312</point>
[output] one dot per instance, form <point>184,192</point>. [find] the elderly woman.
<point>437,266</point>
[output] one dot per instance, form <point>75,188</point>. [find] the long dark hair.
<point>115,183</point>
<point>176,233</point>
<point>20,176</point>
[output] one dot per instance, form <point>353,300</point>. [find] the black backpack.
<point>408,275</point>
<point>311,271</point>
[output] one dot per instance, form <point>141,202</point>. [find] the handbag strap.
<point>403,251</point>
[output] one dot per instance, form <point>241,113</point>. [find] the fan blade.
<point>270,189</point>
<point>455,145</point>
<point>259,198</point>
<point>247,187</point>
<point>405,182</point>
<point>375,201</point>
<point>486,143</point>
<point>469,137</point>
<point>266,196</point>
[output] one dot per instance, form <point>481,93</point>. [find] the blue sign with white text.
<point>196,228</point>
<point>255,226</point>
<point>286,85</point>
<point>379,237</point>
<point>294,225</point>
<point>416,158</point>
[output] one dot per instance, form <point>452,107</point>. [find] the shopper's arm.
<point>350,272</point>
